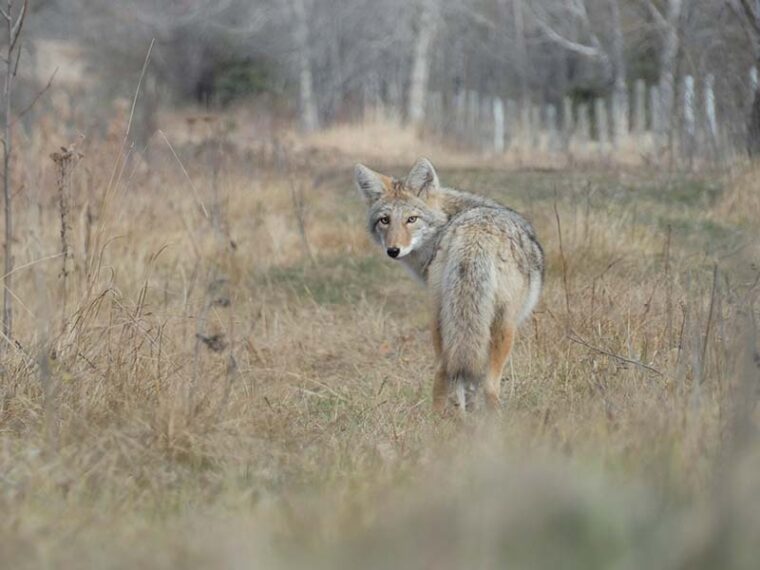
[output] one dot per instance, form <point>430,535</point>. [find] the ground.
<point>230,374</point>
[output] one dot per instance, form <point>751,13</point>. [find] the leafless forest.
<point>204,362</point>
<point>494,75</point>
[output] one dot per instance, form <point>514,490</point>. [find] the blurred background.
<point>639,79</point>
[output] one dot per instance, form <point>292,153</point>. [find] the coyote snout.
<point>481,262</point>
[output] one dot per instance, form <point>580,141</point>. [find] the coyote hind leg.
<point>440,390</point>
<point>502,339</point>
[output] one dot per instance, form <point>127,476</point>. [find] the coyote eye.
<point>385,220</point>
<point>411,219</point>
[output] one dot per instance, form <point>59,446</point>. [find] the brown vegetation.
<point>210,397</point>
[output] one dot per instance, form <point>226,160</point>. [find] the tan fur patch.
<point>393,186</point>
<point>398,235</point>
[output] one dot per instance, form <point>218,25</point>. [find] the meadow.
<point>212,366</point>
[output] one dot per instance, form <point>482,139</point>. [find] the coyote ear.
<point>368,183</point>
<point>422,179</point>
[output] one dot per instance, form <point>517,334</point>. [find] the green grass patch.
<point>332,280</point>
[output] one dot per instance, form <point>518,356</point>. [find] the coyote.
<point>482,264</point>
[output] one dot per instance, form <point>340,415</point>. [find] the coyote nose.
<point>393,251</point>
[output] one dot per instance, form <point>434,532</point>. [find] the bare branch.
<point>583,49</point>
<point>578,10</point>
<point>39,94</point>
<point>658,16</point>
<point>573,336</point>
<point>18,59</point>
<point>15,31</point>
<point>160,21</point>
<point>747,24</point>
<point>475,16</point>
<point>749,12</point>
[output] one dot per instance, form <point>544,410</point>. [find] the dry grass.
<point>211,398</point>
<point>741,202</point>
<point>386,141</point>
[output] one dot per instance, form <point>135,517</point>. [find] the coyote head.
<point>402,213</point>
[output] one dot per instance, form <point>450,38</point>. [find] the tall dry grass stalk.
<point>297,197</point>
<point>65,161</point>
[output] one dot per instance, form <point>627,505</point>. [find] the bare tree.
<point>337,56</point>
<point>620,88</point>
<point>573,13</point>
<point>308,104</point>
<point>418,87</point>
<point>522,50</point>
<point>669,24</point>
<point>192,37</point>
<point>750,11</point>
<point>15,24</point>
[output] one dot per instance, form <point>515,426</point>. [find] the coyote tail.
<point>467,312</point>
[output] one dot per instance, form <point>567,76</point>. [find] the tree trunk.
<point>620,90</point>
<point>7,152</point>
<point>668,62</point>
<point>753,129</point>
<point>521,53</point>
<point>418,85</point>
<point>308,105</point>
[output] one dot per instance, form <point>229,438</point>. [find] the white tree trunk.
<point>711,116</point>
<point>521,52</point>
<point>418,85</point>
<point>689,115</point>
<point>567,121</point>
<point>473,117</point>
<point>602,124</point>
<point>308,105</point>
<point>655,109</point>
<point>583,125</point>
<point>620,90</point>
<point>668,62</point>
<point>498,125</point>
<point>639,106</point>
<point>552,129</point>
<point>535,126</point>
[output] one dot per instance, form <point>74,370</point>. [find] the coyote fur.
<point>481,262</point>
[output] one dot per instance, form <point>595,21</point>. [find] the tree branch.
<point>577,339</point>
<point>578,10</point>
<point>18,59</point>
<point>583,49</point>
<point>17,26</point>
<point>655,12</point>
<point>748,28</point>
<point>39,94</point>
<point>749,12</point>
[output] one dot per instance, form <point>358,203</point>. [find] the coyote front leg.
<point>441,382</point>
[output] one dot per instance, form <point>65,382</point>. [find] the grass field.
<point>208,385</point>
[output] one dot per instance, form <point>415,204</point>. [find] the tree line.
<point>332,59</point>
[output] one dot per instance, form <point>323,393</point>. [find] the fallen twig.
<point>577,339</point>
